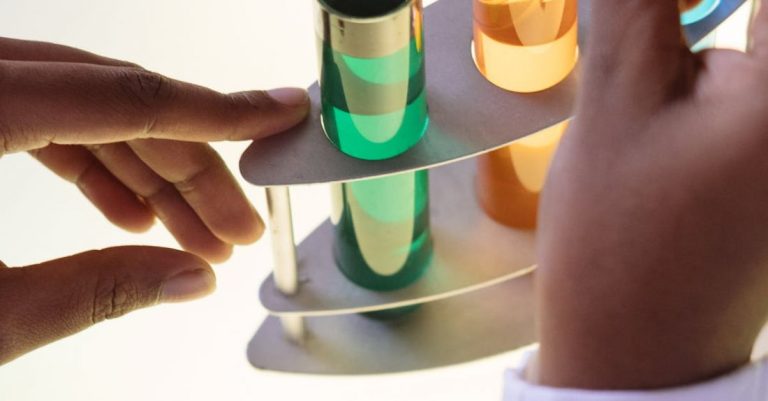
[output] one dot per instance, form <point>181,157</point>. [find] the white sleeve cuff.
<point>747,384</point>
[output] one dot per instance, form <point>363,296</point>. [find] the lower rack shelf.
<point>455,330</point>
<point>471,252</point>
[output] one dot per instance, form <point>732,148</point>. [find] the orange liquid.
<point>525,45</point>
<point>522,46</point>
<point>509,180</point>
<point>501,194</point>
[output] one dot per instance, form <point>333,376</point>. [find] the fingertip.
<point>188,286</point>
<point>246,230</point>
<point>271,112</point>
<point>291,97</point>
<point>258,232</point>
<point>216,254</point>
<point>132,219</point>
<point>138,225</point>
<point>251,236</point>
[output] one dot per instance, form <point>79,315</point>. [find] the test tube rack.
<point>478,295</point>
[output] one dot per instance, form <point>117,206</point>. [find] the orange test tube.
<point>522,46</point>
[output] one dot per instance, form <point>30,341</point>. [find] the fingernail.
<point>289,96</point>
<point>188,285</point>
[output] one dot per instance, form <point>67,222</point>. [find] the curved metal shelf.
<point>472,252</point>
<point>461,102</point>
<point>456,330</point>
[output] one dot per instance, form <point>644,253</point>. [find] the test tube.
<point>693,11</point>
<point>372,77</point>
<point>382,238</point>
<point>525,45</point>
<point>374,107</point>
<point>522,46</point>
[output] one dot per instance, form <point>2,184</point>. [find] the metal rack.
<point>480,286</point>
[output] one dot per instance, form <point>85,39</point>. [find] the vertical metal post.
<point>286,271</point>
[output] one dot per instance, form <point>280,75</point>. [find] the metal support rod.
<point>283,246</point>
<point>293,328</point>
<point>286,271</point>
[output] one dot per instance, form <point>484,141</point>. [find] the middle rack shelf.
<point>467,257</point>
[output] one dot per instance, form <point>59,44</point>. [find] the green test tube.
<point>374,107</point>
<point>372,77</point>
<point>382,237</point>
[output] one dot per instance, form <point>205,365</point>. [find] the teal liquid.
<point>382,236</point>
<point>698,13</point>
<point>374,108</point>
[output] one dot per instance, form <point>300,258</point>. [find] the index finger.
<point>63,103</point>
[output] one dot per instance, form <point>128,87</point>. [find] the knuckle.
<point>257,99</point>
<point>245,104</point>
<point>114,297</point>
<point>14,137</point>
<point>146,87</point>
<point>192,182</point>
<point>147,92</point>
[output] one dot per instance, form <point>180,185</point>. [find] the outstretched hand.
<point>135,143</point>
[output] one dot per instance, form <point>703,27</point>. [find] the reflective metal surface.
<point>350,31</point>
<point>285,276</point>
<point>471,252</point>
<point>283,246</point>
<point>447,332</point>
<point>460,101</point>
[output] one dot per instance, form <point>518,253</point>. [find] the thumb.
<point>40,304</point>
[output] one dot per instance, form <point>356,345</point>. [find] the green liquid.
<point>382,236</point>
<point>374,108</point>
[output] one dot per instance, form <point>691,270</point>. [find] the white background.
<point>194,351</point>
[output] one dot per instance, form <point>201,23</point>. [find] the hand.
<point>653,245</point>
<point>133,141</point>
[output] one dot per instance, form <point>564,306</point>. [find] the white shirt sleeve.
<point>747,384</point>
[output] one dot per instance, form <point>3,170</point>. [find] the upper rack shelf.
<point>468,115</point>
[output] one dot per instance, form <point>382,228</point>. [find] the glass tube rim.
<point>362,20</point>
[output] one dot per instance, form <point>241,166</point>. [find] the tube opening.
<point>364,8</point>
